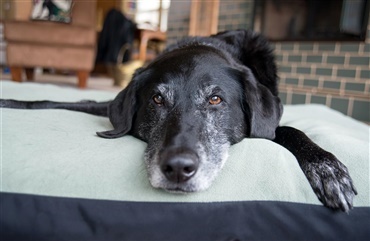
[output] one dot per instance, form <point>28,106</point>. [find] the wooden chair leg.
<point>30,74</point>
<point>82,75</point>
<point>16,73</point>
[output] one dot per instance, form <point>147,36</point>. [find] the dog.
<point>199,97</point>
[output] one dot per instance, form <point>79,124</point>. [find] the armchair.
<point>52,45</point>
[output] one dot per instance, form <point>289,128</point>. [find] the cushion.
<point>35,32</point>
<point>59,56</point>
<point>60,181</point>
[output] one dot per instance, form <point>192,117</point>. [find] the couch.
<point>64,46</point>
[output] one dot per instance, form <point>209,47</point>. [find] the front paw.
<point>331,182</point>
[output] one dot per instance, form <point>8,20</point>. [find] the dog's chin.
<point>179,191</point>
<point>180,188</point>
<point>201,181</point>
<point>176,188</point>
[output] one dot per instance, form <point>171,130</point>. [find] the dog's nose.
<point>179,168</point>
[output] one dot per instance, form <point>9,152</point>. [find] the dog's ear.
<point>262,105</point>
<point>121,112</point>
<point>254,51</point>
<point>262,109</point>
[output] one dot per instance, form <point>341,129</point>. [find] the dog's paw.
<point>331,182</point>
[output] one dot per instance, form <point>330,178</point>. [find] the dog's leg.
<point>91,107</point>
<point>328,177</point>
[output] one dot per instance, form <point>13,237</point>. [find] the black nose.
<point>180,168</point>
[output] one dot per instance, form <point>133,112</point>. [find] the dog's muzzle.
<point>178,167</point>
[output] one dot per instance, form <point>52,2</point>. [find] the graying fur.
<point>212,147</point>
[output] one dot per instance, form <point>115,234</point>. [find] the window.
<point>150,14</point>
<point>312,19</point>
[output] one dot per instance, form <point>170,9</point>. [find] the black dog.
<point>201,96</point>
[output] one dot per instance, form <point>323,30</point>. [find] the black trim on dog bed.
<point>33,217</point>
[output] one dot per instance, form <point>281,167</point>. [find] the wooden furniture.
<point>50,44</point>
<point>122,72</point>
<point>203,17</point>
<point>144,37</point>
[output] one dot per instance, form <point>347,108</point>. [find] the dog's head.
<point>194,101</point>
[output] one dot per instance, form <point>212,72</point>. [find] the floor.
<point>94,82</point>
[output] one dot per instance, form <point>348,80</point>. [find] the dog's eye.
<point>158,99</point>
<point>215,100</point>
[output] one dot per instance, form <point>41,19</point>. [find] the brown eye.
<point>215,100</point>
<point>158,99</point>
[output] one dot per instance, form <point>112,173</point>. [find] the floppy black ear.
<point>262,109</point>
<point>262,105</point>
<point>254,51</point>
<point>121,112</point>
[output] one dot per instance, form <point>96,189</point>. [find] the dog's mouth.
<point>178,190</point>
<point>185,172</point>
<point>194,184</point>
<point>191,186</point>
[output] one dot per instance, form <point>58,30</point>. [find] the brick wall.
<point>178,20</point>
<point>332,73</point>
<point>236,14</point>
<point>335,74</point>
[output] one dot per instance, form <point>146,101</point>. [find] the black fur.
<point>196,99</point>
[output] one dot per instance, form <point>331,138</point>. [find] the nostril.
<point>167,169</point>
<point>189,169</point>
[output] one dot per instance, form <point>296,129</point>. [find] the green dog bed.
<point>59,181</point>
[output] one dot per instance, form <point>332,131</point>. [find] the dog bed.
<point>59,181</point>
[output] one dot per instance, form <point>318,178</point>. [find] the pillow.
<point>52,10</point>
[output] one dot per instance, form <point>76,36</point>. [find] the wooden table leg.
<point>82,75</point>
<point>16,73</point>
<point>145,36</point>
<point>30,74</point>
